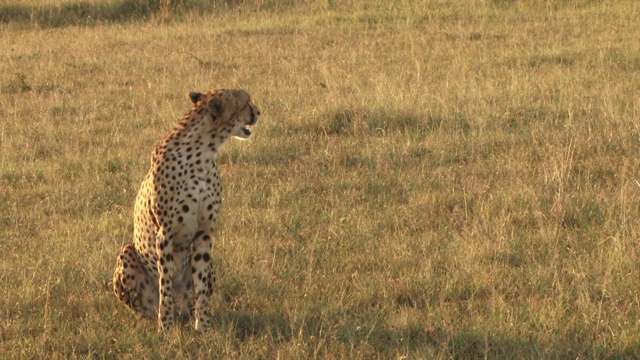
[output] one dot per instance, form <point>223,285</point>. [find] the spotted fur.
<point>169,265</point>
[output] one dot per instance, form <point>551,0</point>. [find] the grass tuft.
<point>17,85</point>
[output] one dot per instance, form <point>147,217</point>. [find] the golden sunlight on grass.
<point>430,179</point>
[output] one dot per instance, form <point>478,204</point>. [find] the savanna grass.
<point>430,179</point>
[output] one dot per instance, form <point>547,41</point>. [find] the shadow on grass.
<point>120,11</point>
<point>387,340</point>
<point>85,13</point>
<point>350,121</point>
<point>245,326</point>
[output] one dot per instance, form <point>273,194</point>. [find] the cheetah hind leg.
<point>133,286</point>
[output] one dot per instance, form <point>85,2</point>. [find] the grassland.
<point>431,179</point>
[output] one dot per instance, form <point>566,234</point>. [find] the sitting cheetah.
<point>175,213</point>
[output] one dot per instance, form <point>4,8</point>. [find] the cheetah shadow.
<point>384,338</point>
<point>244,325</point>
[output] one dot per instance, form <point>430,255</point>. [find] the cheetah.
<point>170,261</point>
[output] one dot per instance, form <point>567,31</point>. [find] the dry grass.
<point>430,180</point>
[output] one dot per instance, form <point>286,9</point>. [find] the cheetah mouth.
<point>243,133</point>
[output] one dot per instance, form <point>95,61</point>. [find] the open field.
<point>431,179</point>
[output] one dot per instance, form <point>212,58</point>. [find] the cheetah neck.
<point>202,131</point>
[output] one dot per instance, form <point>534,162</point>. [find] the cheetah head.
<point>231,107</point>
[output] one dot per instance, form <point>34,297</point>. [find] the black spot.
<point>197,257</point>
<point>206,257</point>
<point>185,208</point>
<point>197,234</point>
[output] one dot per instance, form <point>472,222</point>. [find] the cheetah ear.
<point>215,106</point>
<point>195,96</point>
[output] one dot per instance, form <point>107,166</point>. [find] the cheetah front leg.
<point>164,244</point>
<point>203,279</point>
